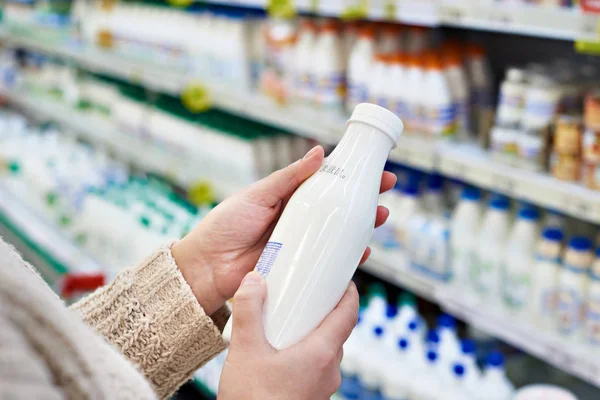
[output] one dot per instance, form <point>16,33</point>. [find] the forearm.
<point>151,315</point>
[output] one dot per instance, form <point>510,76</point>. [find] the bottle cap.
<point>471,193</point>
<point>580,243</point>
<point>403,343</point>
<point>475,50</point>
<point>499,202</point>
<point>411,190</point>
<point>459,370</point>
<point>413,325</point>
<point>495,359</point>
<point>553,234</point>
<point>380,118</point>
<point>433,61</point>
<point>376,289</point>
<point>391,311</point>
<point>529,213</point>
<point>367,31</point>
<point>407,299</point>
<point>446,321</point>
<point>433,337</point>
<point>468,346</point>
<point>435,182</point>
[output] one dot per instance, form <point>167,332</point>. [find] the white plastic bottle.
<point>307,275</point>
<point>459,88</point>
<point>591,327</point>
<point>464,231</point>
<point>397,85</point>
<point>369,370</point>
<point>329,69</point>
<point>544,284</point>
<point>349,367</point>
<point>449,346</point>
<point>486,273</point>
<point>359,67</point>
<point>397,373</point>
<point>482,84</point>
<point>379,80</point>
<point>304,83</point>
<point>572,282</point>
<point>518,261</point>
<point>430,383</point>
<point>415,80</point>
<point>511,99</point>
<point>437,232</point>
<point>409,206</point>
<point>436,97</point>
<point>407,312</point>
<point>390,39</point>
<point>494,382</point>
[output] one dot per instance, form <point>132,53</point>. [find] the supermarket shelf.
<point>568,356</point>
<point>545,22</point>
<point>471,164</point>
<point>392,267</point>
<point>297,119</point>
<point>57,249</point>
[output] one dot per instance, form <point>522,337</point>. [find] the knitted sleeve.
<point>151,315</point>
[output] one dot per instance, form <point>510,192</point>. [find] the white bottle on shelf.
<point>464,229</point>
<point>511,99</point>
<point>438,232</point>
<point>304,83</point>
<point>409,205</point>
<point>349,367</point>
<point>459,88</point>
<point>369,370</point>
<point>338,202</point>
<point>486,273</point>
<point>439,117</point>
<point>449,346</point>
<point>429,383</point>
<point>359,67</point>
<point>379,81</point>
<point>415,81</point>
<point>482,84</point>
<point>329,69</point>
<point>518,261</point>
<point>494,382</point>
<point>591,327</point>
<point>572,286</point>
<point>407,312</point>
<point>397,373</point>
<point>397,85</point>
<point>545,272</point>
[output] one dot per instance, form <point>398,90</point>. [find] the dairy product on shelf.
<point>481,89</point>
<point>304,81</point>
<point>390,40</point>
<point>546,392</point>
<point>407,206</point>
<point>494,382</point>
<point>346,190</point>
<point>329,69</point>
<point>545,282</point>
<point>448,348</point>
<point>436,232</point>
<point>572,284</point>
<point>591,323</point>
<point>378,81</point>
<point>437,100</point>
<point>397,374</point>
<point>415,78</point>
<point>459,89</point>
<point>464,229</point>
<point>518,260</point>
<point>511,99</point>
<point>486,272</point>
<point>396,86</point>
<point>359,66</point>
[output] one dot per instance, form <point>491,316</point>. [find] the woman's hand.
<point>226,244</point>
<point>309,370</point>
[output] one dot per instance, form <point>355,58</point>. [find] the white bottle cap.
<point>380,118</point>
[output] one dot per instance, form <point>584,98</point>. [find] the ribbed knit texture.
<point>148,316</point>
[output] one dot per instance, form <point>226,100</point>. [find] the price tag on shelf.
<point>587,47</point>
<point>196,98</point>
<point>356,11</point>
<point>281,8</point>
<point>201,193</point>
<point>504,184</point>
<point>180,3</point>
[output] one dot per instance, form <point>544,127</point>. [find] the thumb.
<point>248,329</point>
<point>268,192</point>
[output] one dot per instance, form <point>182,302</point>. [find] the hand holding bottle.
<point>226,245</point>
<point>307,370</point>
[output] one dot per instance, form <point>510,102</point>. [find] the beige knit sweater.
<point>140,337</point>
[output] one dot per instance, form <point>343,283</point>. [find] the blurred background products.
<point>127,121</point>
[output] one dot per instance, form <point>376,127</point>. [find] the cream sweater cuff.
<point>151,315</point>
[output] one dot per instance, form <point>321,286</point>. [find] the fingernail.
<point>253,278</point>
<point>311,152</point>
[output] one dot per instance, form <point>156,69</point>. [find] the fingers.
<point>388,181</point>
<point>247,329</point>
<point>337,326</point>
<point>381,215</point>
<point>270,191</point>
<point>365,255</point>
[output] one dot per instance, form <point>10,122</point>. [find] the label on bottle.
<point>305,85</point>
<point>267,258</point>
<point>511,98</point>
<point>462,261</point>
<point>516,290</point>
<point>440,120</point>
<point>568,310</point>
<point>461,109</point>
<point>331,90</point>
<point>484,274</point>
<point>438,260</point>
<point>357,93</point>
<point>333,170</point>
<point>592,320</point>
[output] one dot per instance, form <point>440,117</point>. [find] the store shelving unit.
<point>545,22</point>
<point>48,247</point>
<point>568,356</point>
